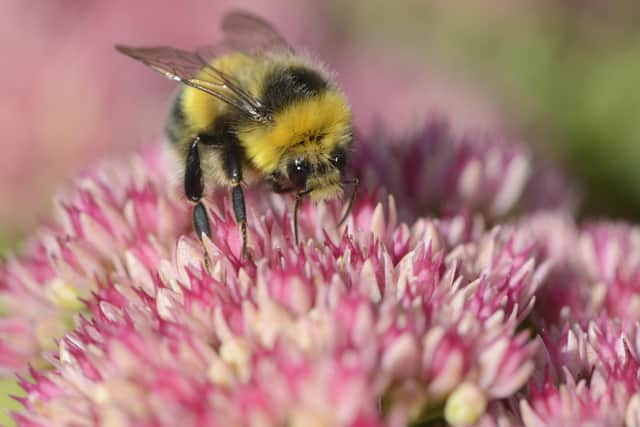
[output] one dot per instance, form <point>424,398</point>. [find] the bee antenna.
<point>296,208</point>
<point>355,182</point>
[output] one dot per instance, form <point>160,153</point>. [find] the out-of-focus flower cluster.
<point>435,172</point>
<point>591,379</point>
<point>588,364</point>
<point>113,217</point>
<point>126,319</point>
<point>596,269</point>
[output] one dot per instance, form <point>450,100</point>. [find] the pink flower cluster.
<point>593,379</point>
<point>110,217</point>
<point>315,336</point>
<point>118,315</point>
<point>596,269</point>
<point>436,172</point>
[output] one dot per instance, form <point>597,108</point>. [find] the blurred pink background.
<point>68,98</point>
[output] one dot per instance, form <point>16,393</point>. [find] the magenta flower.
<point>598,364</point>
<point>111,220</point>
<point>437,171</point>
<point>316,337</point>
<point>587,370</point>
<point>596,268</point>
<point>127,320</point>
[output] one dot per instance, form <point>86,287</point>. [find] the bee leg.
<point>352,198</point>
<point>201,220</point>
<point>237,199</point>
<point>194,188</point>
<point>296,209</point>
<point>232,160</point>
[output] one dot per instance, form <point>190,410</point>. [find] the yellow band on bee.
<point>328,113</point>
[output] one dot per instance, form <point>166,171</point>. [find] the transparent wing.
<point>192,69</point>
<point>246,32</point>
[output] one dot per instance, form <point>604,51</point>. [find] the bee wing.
<point>246,32</point>
<point>191,69</point>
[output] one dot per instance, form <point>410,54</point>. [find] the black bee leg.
<point>296,209</point>
<point>194,188</point>
<point>237,199</point>
<point>233,168</point>
<point>355,182</point>
<point>201,221</point>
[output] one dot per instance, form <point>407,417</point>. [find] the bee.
<point>251,109</point>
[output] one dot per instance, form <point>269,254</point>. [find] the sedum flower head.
<point>586,371</point>
<point>597,364</point>
<point>326,336</point>
<point>596,269</point>
<point>438,171</point>
<point>395,318</point>
<point>108,219</point>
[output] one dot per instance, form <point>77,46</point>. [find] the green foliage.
<point>8,387</point>
<point>569,78</point>
<point>7,242</point>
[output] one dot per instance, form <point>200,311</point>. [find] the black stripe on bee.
<point>175,121</point>
<point>283,87</point>
<point>176,111</point>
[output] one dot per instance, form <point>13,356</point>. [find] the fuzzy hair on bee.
<point>251,109</point>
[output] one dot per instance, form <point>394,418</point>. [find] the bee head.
<point>305,141</point>
<point>319,175</point>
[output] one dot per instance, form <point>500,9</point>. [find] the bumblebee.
<point>251,109</point>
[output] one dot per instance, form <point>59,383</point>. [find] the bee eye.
<point>339,160</point>
<point>298,170</point>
